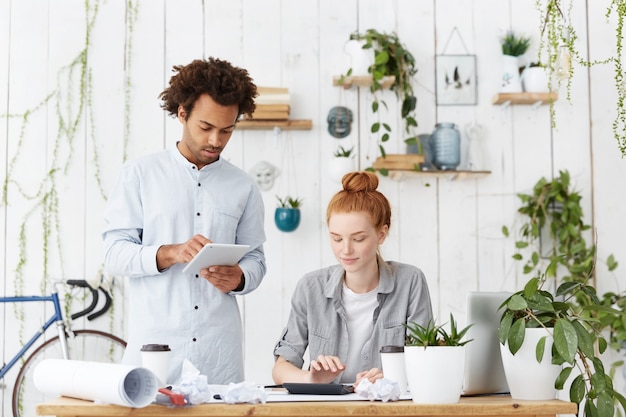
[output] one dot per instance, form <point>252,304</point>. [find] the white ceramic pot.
<point>527,378</point>
<point>535,80</point>
<point>510,81</point>
<point>339,166</point>
<point>435,374</point>
<point>359,59</point>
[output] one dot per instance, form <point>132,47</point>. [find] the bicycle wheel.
<point>85,345</point>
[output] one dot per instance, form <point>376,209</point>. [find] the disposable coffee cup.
<point>392,358</point>
<point>156,358</point>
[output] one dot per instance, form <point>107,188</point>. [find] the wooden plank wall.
<point>451,229</point>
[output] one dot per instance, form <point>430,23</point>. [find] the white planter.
<point>510,81</point>
<point>435,374</point>
<point>339,166</point>
<point>359,59</point>
<point>527,378</point>
<point>535,80</point>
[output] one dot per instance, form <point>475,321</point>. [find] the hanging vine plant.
<point>391,58</point>
<point>71,99</point>
<point>558,48</point>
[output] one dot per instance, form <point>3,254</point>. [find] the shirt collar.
<point>180,158</point>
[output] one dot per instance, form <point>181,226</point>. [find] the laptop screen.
<point>484,373</point>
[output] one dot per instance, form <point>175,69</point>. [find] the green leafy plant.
<point>553,223</point>
<point>342,152</point>
<point>514,44</point>
<point>575,336</point>
<point>289,202</point>
<point>435,335</point>
<point>391,58</point>
<point>553,231</point>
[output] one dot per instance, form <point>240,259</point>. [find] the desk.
<point>467,406</point>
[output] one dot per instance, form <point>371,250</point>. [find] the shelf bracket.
<point>537,104</point>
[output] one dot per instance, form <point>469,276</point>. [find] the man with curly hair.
<point>167,205</point>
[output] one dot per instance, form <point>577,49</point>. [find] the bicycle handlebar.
<point>81,283</point>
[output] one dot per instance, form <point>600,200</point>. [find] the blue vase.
<point>287,219</point>
<point>446,146</point>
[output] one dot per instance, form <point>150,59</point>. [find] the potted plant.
<point>341,163</point>
<point>513,46</point>
<point>574,337</point>
<point>287,214</point>
<point>391,59</point>
<point>438,354</point>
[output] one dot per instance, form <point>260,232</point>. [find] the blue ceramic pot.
<point>287,219</point>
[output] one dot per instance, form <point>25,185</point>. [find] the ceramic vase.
<point>287,219</point>
<point>527,378</point>
<point>535,80</point>
<point>435,374</point>
<point>510,81</point>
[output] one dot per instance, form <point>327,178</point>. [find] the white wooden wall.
<point>450,229</point>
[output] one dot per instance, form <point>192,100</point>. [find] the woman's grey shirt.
<point>318,319</point>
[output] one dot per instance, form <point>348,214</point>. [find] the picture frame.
<point>456,81</point>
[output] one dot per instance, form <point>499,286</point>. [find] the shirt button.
<point>199,185</point>
<point>365,357</point>
<point>197,214</point>
<point>197,276</point>
<point>194,339</point>
<point>196,307</point>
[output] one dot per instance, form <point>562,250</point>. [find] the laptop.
<point>484,373</point>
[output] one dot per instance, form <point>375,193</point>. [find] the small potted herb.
<point>513,46</point>
<point>432,350</point>
<point>287,215</point>
<point>341,163</point>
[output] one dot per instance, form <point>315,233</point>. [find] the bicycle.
<point>84,344</point>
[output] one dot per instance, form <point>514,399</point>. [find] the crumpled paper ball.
<point>383,390</point>
<point>193,386</point>
<point>244,392</point>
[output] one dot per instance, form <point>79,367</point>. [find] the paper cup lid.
<point>391,349</point>
<point>155,348</point>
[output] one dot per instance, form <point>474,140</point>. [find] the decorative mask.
<point>339,120</point>
<point>264,174</point>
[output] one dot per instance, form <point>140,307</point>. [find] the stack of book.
<point>272,103</point>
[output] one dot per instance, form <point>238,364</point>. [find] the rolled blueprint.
<point>97,381</point>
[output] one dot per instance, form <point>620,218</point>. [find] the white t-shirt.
<point>360,315</point>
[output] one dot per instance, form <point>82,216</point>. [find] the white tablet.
<point>216,254</point>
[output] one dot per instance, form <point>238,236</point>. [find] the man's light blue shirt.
<point>163,199</point>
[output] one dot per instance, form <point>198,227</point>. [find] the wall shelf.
<point>401,174</point>
<point>361,81</point>
<point>524,98</point>
<point>303,124</point>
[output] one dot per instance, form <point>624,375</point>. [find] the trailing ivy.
<point>558,33</point>
<point>71,99</point>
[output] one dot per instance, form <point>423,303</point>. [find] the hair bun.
<point>360,181</point>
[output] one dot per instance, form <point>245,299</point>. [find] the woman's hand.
<point>325,369</point>
<point>372,375</point>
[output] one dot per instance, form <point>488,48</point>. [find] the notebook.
<point>484,373</point>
